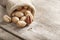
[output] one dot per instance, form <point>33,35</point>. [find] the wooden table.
<point>7,36</point>
<point>43,27</point>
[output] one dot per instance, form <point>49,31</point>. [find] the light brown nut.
<point>21,23</point>
<point>6,18</point>
<point>27,13</point>
<point>26,7</point>
<point>23,18</point>
<point>19,8</point>
<point>15,19</point>
<point>31,10</point>
<point>23,10</point>
<point>19,14</point>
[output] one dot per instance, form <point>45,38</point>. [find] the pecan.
<point>28,20</point>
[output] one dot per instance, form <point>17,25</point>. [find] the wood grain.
<point>46,25</point>
<point>6,36</point>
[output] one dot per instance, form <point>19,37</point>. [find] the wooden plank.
<point>7,36</point>
<point>43,27</point>
<point>14,34</point>
<point>26,33</point>
<point>32,32</point>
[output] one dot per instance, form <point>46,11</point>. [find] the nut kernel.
<point>15,19</point>
<point>6,18</point>
<point>23,18</point>
<point>19,14</point>
<point>21,23</point>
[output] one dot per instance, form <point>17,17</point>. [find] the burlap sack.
<point>14,4</point>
